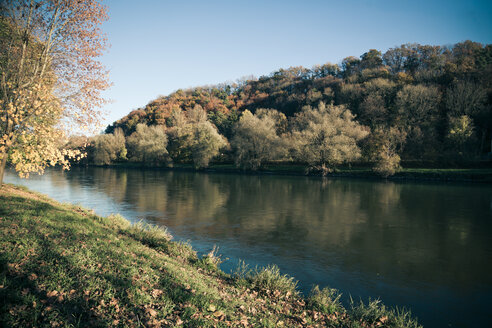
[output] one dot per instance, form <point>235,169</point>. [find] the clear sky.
<point>158,47</point>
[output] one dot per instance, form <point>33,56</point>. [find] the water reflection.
<point>422,245</point>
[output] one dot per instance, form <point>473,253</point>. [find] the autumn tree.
<point>206,141</point>
<point>51,80</point>
<point>148,145</point>
<point>382,148</point>
<point>461,135</point>
<point>109,148</point>
<point>327,136</point>
<point>180,137</point>
<point>256,140</point>
<point>417,107</point>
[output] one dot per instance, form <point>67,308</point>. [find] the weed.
<point>326,300</point>
<point>270,279</point>
<point>374,313</point>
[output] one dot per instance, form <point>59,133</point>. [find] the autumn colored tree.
<point>148,145</point>
<point>51,80</point>
<point>256,140</point>
<point>327,136</point>
<point>206,140</point>
<point>433,96</point>
<point>109,148</point>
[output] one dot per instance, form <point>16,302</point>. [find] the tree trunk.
<point>3,164</point>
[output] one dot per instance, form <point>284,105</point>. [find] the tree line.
<point>412,103</point>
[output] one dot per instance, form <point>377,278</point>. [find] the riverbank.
<point>480,175</point>
<point>61,265</point>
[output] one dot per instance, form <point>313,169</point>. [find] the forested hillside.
<point>412,103</point>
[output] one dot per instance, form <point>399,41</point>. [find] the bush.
<point>387,164</point>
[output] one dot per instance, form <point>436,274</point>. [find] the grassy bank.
<point>63,266</point>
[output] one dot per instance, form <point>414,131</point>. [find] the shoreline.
<point>63,265</point>
<point>466,175</point>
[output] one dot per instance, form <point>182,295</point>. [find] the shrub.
<point>386,164</point>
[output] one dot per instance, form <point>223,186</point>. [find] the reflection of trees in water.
<point>426,236</point>
<point>418,231</point>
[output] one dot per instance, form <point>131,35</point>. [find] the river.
<point>421,245</point>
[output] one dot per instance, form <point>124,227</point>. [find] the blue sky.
<point>158,47</point>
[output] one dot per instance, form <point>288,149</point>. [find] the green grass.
<point>63,266</point>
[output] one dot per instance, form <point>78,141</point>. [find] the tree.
<point>180,137</point>
<point>148,144</point>
<point>205,140</point>
<point>327,136</point>
<point>256,141</point>
<point>382,148</point>
<point>207,143</point>
<point>51,81</point>
<point>461,135</point>
<point>371,59</point>
<point>109,148</point>
<point>417,106</point>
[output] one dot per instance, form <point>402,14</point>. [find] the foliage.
<point>109,148</point>
<point>327,136</point>
<point>51,79</point>
<point>256,140</point>
<point>461,134</point>
<point>205,139</point>
<point>148,145</point>
<point>382,148</point>
<point>412,88</point>
<point>192,137</point>
<point>206,143</point>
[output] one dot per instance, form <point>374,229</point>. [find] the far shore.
<point>482,174</point>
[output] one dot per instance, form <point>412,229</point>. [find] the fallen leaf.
<point>52,293</point>
<point>151,312</point>
<point>211,308</point>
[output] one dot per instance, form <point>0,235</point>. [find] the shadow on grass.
<point>27,294</point>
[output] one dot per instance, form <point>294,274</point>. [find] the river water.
<point>424,246</point>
